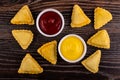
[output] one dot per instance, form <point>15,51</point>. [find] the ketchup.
<point>50,22</point>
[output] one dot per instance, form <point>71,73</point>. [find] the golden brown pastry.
<point>49,51</point>
<point>100,39</point>
<point>23,16</point>
<point>29,66</point>
<point>92,62</point>
<point>79,18</point>
<point>101,17</point>
<point>23,37</point>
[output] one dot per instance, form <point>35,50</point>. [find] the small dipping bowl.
<point>72,48</point>
<point>50,22</point>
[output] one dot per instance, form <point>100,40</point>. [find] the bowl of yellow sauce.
<point>72,48</point>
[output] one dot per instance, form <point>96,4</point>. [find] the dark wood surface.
<point>11,54</point>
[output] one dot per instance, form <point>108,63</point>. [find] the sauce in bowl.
<point>72,48</point>
<point>50,22</point>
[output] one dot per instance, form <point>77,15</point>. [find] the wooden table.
<point>11,53</point>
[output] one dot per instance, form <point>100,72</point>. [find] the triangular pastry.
<point>23,37</point>
<point>23,16</point>
<point>79,18</point>
<point>92,62</point>
<point>29,66</point>
<point>100,39</point>
<point>101,17</point>
<point>49,52</point>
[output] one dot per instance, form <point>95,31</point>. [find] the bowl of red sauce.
<point>50,22</point>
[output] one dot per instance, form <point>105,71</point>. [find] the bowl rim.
<point>47,10</point>
<point>84,51</point>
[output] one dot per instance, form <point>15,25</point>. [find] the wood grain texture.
<point>11,54</point>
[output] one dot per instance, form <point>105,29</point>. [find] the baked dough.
<point>49,51</point>
<point>29,66</point>
<point>101,17</point>
<point>79,18</point>
<point>23,37</point>
<point>92,62</point>
<point>100,39</point>
<point>23,16</point>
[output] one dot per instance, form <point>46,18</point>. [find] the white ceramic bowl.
<point>84,51</point>
<point>47,10</point>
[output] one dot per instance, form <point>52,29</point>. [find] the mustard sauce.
<point>72,48</point>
